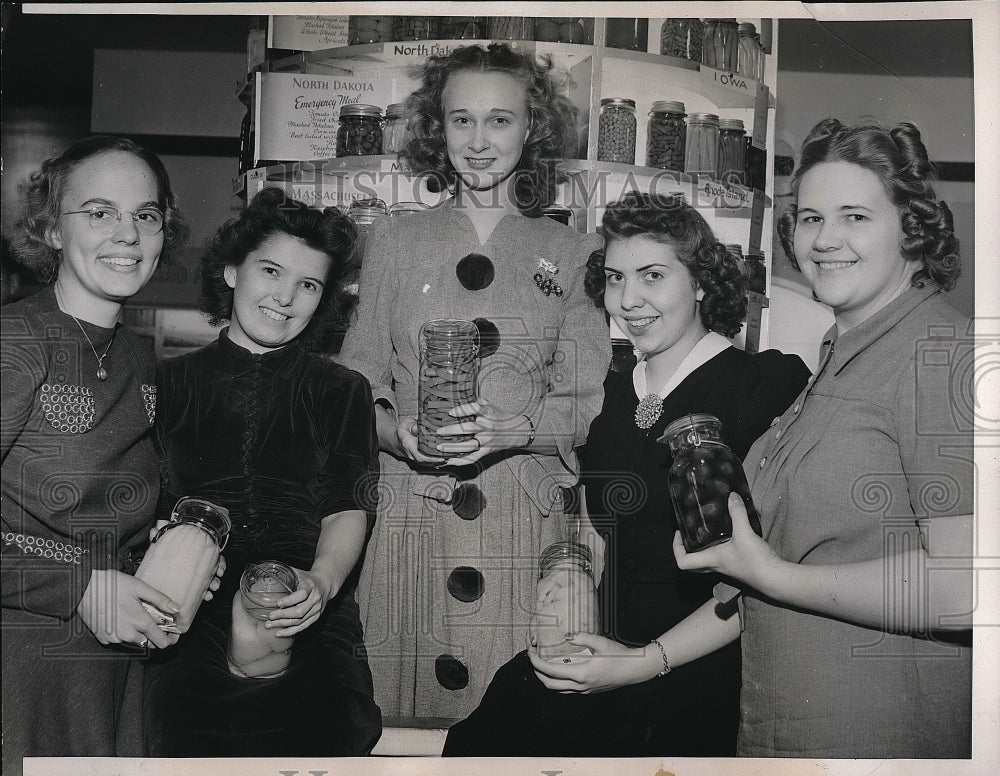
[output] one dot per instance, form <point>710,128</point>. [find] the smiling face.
<point>485,126</point>
<point>847,241</point>
<point>651,296</point>
<point>98,271</point>
<point>276,292</point>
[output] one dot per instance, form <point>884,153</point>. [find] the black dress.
<point>694,710</point>
<point>282,440</point>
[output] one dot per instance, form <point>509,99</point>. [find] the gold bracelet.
<point>663,654</point>
<point>531,433</point>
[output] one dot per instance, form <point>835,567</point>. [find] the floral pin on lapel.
<point>545,278</point>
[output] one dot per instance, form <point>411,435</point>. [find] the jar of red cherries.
<point>704,472</point>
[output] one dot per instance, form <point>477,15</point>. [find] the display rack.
<point>592,71</point>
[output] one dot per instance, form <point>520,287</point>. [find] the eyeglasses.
<point>105,219</point>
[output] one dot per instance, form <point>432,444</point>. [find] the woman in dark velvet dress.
<point>674,291</point>
<point>285,440</point>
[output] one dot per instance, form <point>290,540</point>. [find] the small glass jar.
<point>701,149</point>
<point>360,131</point>
<point>757,272</point>
<point>254,651</point>
<point>369,29</point>
<point>616,129</point>
<point>761,57</point>
<point>747,51</point>
<point>666,135</point>
<point>182,559</point>
<point>394,132</point>
<point>720,44</point>
<point>703,474</point>
<point>681,38</point>
<point>364,213</point>
<point>565,601</point>
<point>512,28</point>
<point>630,34</point>
<point>736,251</point>
<point>449,376</point>
<point>731,162</point>
<point>467,27</point>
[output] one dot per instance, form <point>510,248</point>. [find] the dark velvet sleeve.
<point>772,382</point>
<point>349,480</point>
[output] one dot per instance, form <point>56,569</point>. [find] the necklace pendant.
<point>102,373</point>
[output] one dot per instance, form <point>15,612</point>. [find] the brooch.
<point>649,411</point>
<point>545,278</point>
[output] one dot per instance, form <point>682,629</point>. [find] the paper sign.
<point>297,114</point>
<point>308,33</point>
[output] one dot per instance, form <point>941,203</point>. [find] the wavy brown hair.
<point>272,212</point>
<point>41,203</point>
<point>899,158</point>
<point>551,121</point>
<point>671,221</point>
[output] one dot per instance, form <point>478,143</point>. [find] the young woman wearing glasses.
<point>79,474</point>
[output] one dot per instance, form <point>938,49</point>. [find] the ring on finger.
<point>143,644</point>
<point>478,443</point>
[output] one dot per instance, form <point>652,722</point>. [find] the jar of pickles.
<point>720,44</point>
<point>394,131</point>
<point>703,474</point>
<point>748,50</point>
<point>701,149</point>
<point>182,559</point>
<point>565,601</point>
<point>360,131</point>
<point>682,38</point>
<point>731,162</point>
<point>616,129</point>
<point>665,136</point>
<point>449,375</point>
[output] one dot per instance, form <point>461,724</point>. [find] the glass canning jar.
<point>253,649</point>
<point>720,44</point>
<point>360,131</point>
<point>565,601</point>
<point>731,161</point>
<point>449,375</point>
<point>369,29</point>
<point>628,34</point>
<point>182,558</point>
<point>394,131</point>
<point>682,38</point>
<point>702,144</point>
<point>747,50</point>
<point>616,130</point>
<point>666,133</point>
<point>703,474</point>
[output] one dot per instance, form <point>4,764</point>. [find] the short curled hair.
<point>41,203</point>
<point>898,157</point>
<point>671,221</point>
<point>551,121</point>
<point>271,212</point>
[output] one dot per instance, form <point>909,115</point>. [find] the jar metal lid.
<point>688,422</point>
<point>735,248</point>
<point>703,118</point>
<point>667,106</point>
<point>731,124</point>
<point>395,110</point>
<point>747,27</point>
<point>618,101</point>
<point>361,110</point>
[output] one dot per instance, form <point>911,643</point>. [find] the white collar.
<point>707,348</point>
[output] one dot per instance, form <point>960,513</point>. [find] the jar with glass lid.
<point>731,162</point>
<point>565,601</point>
<point>360,131</point>
<point>703,474</point>
<point>666,132</point>
<point>616,130</point>
<point>182,559</point>
<point>253,650</point>
<point>394,131</point>
<point>701,150</point>
<point>720,44</point>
